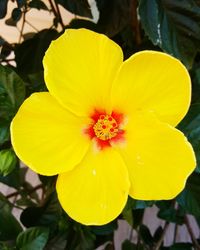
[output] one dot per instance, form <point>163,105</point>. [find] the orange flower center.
<point>106,127</point>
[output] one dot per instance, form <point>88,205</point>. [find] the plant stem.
<point>191,233</point>
<point>59,15</point>
<point>31,26</point>
<point>23,24</point>
<point>56,12</point>
<point>53,8</point>
<point>175,233</point>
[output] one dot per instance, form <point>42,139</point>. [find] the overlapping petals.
<point>84,72</point>
<point>80,68</point>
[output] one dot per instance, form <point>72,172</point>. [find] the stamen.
<point>106,127</point>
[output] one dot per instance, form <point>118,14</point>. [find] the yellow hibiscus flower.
<point>107,127</point>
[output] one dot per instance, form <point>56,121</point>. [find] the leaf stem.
<point>59,15</point>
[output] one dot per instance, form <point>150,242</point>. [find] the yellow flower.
<point>107,127</point>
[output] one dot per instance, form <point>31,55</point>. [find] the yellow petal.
<point>46,137</point>
<point>159,158</point>
<point>155,81</point>
<point>80,67</point>
<point>96,191</point>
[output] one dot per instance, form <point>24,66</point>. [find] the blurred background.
<point>30,215</point>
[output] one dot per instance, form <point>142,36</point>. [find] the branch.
<point>59,15</point>
<point>53,8</point>
<point>56,12</point>
<point>29,192</point>
<point>23,23</point>
<point>190,231</point>
<point>31,26</point>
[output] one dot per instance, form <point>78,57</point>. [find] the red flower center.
<point>106,128</point>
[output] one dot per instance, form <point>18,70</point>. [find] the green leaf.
<point>83,238</point>
<point>16,14</point>
<point>46,215</point>
<point>78,7</point>
<point>33,238</point>
<point>190,127</point>
<point>146,235</point>
<point>21,3</point>
<point>127,245</point>
<point>82,23</point>
<point>171,215</point>
<point>36,46</point>
<point>38,4</point>
<point>3,8</point>
<point>8,161</point>
<point>4,131</point>
<point>16,178</point>
<point>181,246</point>
<point>9,226</point>
<point>173,25</point>
<point>105,229</point>
<point>189,199</point>
<point>133,211</point>
<point>12,93</point>
<point>58,242</point>
<point>114,15</point>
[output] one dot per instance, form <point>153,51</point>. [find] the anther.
<point>106,127</point>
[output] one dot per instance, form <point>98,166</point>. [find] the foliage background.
<point>172,26</point>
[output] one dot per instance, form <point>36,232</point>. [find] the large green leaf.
<point>16,178</point>
<point>78,7</point>
<point>3,8</point>
<point>128,245</point>
<point>189,199</point>
<point>4,131</point>
<point>37,45</point>
<point>38,4</point>
<point>8,161</point>
<point>9,226</point>
<point>46,215</point>
<point>12,93</point>
<point>181,246</point>
<point>114,15</point>
<point>33,238</point>
<point>173,25</point>
<point>105,229</point>
<point>81,237</point>
<point>190,127</point>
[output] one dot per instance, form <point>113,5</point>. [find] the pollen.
<point>106,127</point>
